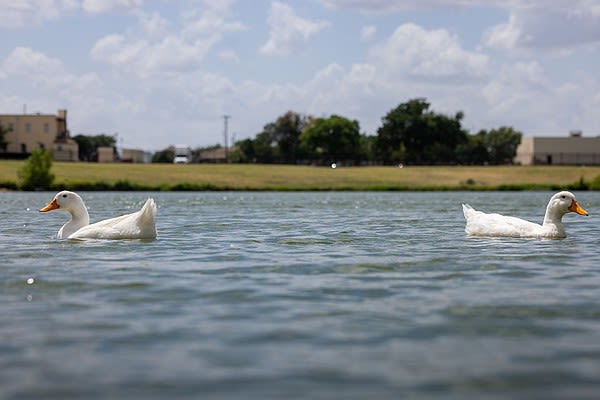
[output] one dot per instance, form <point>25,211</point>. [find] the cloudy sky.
<point>165,72</point>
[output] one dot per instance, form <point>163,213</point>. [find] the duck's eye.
<point>563,197</point>
<point>64,196</point>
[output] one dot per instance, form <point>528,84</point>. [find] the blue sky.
<point>165,72</point>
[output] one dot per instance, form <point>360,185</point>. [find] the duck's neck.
<point>553,220</point>
<point>79,219</point>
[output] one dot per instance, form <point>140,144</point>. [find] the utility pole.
<point>225,134</point>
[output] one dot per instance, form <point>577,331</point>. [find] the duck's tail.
<point>149,208</point>
<point>467,209</point>
<point>147,219</point>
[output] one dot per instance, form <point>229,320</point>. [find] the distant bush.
<point>35,174</point>
<point>595,183</point>
<point>187,187</point>
<point>579,185</point>
<point>124,184</point>
<point>9,185</point>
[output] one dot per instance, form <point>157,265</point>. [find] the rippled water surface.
<point>299,295</point>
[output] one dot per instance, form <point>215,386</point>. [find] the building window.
<point>27,127</point>
<point>11,127</point>
<point>46,128</point>
<point>23,148</point>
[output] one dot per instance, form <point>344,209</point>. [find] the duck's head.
<point>65,200</point>
<point>565,202</point>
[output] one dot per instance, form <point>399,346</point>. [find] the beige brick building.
<point>571,150</point>
<point>46,131</point>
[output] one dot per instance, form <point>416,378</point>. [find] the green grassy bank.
<point>93,176</point>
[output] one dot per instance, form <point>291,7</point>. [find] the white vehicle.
<point>183,154</point>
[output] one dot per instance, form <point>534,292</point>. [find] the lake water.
<point>299,295</point>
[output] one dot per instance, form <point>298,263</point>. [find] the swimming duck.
<point>137,225</point>
<point>482,224</point>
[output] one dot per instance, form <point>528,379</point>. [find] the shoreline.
<point>279,178</point>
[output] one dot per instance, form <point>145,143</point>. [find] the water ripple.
<point>300,295</point>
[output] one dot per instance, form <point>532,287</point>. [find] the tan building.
<point>46,131</point>
<point>218,155</point>
<point>135,156</point>
<point>571,150</point>
<point>106,154</point>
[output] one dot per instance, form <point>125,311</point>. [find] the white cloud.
<point>390,6</point>
<point>289,32</point>
<point>44,72</point>
<point>512,84</point>
<point>152,24</point>
<point>114,50</point>
<point>24,62</point>
<point>23,13</point>
<point>229,55</point>
<point>521,95</point>
<point>109,6</point>
<point>505,36</point>
<point>553,27</point>
<point>144,58</point>
<point>412,51</point>
<point>210,21</point>
<point>367,33</point>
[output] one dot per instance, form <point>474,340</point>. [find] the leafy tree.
<point>279,142</point>
<point>367,148</point>
<point>397,134</point>
<point>333,139</point>
<point>265,148</point>
<point>412,134</point>
<point>244,152</point>
<point>35,174</point>
<point>502,144</point>
<point>474,151</point>
<point>285,134</point>
<point>88,145</point>
<point>163,156</point>
<point>3,132</point>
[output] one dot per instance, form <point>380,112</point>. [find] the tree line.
<point>410,134</point>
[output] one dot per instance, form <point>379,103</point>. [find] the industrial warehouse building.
<point>570,150</point>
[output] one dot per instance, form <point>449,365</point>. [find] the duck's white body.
<point>482,224</point>
<point>137,225</point>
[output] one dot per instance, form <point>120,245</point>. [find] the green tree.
<point>502,144</point>
<point>367,148</point>
<point>279,142</point>
<point>474,151</point>
<point>163,156</point>
<point>244,152</point>
<point>333,139</point>
<point>88,145</point>
<point>412,134</point>
<point>35,174</point>
<point>285,132</point>
<point>3,142</point>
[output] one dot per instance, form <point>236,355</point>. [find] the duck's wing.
<point>483,224</point>
<point>137,225</point>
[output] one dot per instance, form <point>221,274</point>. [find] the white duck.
<point>137,225</point>
<point>482,224</point>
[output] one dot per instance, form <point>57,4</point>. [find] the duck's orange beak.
<point>575,207</point>
<point>53,205</point>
